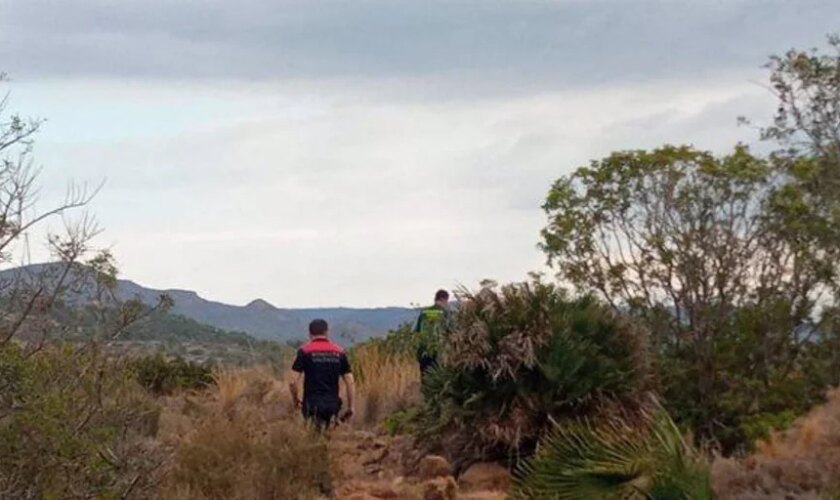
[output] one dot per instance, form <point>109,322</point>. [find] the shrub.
<point>800,462</point>
<point>616,459</point>
<point>401,421</point>
<point>73,426</point>
<point>161,375</point>
<point>520,355</point>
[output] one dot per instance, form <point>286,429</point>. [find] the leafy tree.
<point>807,128</point>
<point>702,250</point>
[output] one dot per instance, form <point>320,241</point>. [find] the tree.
<point>26,297</point>
<point>74,423</point>
<point>806,126</point>
<point>693,244</point>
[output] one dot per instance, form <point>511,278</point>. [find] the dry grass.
<point>243,439</point>
<point>240,439</point>
<point>386,382</point>
<point>802,462</point>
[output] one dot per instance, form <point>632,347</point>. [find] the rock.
<point>440,488</point>
<point>432,466</point>
<point>483,477</point>
<point>369,489</point>
<point>359,496</point>
<point>483,495</point>
<point>384,491</point>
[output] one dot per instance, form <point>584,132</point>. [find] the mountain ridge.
<point>258,318</point>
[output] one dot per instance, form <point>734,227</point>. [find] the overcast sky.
<point>368,152</point>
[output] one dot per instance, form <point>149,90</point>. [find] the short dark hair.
<point>318,327</point>
<point>441,295</point>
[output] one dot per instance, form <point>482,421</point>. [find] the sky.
<point>366,153</point>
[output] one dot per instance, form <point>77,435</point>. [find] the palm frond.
<point>615,460</point>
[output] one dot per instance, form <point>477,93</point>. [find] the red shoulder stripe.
<point>321,345</point>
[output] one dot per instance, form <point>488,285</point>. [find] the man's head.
<point>442,298</point>
<point>318,328</point>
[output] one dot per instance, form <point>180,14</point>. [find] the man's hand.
<point>293,389</point>
<point>348,415</point>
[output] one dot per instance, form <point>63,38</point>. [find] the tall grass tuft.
<point>387,381</point>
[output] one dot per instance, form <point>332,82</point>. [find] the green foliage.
<point>520,355</point>
<point>399,342</point>
<point>616,459</point>
<point>715,257</point>
<point>73,426</point>
<point>161,375</point>
<point>401,421</point>
<point>759,426</point>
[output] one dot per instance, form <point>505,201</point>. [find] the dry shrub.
<point>802,462</point>
<point>241,440</point>
<point>386,381</point>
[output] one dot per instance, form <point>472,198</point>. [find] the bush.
<point>162,376</point>
<point>616,459</point>
<point>519,356</point>
<point>73,426</point>
<point>800,462</point>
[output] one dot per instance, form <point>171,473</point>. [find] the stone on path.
<point>433,466</point>
<point>440,488</point>
<point>485,477</point>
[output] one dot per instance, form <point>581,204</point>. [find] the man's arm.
<point>351,394</point>
<point>294,388</point>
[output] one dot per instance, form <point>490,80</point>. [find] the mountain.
<point>258,318</point>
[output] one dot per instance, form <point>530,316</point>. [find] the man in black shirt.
<point>321,363</point>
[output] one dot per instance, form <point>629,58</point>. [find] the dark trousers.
<point>426,363</point>
<point>321,414</point>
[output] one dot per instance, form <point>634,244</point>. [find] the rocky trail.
<point>371,467</point>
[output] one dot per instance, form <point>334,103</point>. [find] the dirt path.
<point>371,466</point>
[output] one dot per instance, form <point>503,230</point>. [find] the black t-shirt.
<point>322,363</point>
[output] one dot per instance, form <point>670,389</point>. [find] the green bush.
<point>401,421</point>
<point>763,378</point>
<point>646,458</point>
<point>399,342</point>
<point>73,425</point>
<point>161,375</point>
<point>519,356</point>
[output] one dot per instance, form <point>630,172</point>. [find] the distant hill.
<point>260,318</point>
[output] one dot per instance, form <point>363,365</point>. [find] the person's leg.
<point>427,363</point>
<point>323,419</point>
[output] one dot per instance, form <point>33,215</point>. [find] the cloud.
<point>370,152</point>
<point>330,196</point>
<point>463,46</point>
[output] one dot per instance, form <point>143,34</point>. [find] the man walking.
<point>431,321</point>
<point>321,363</point>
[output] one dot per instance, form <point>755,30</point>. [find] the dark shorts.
<point>320,414</point>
